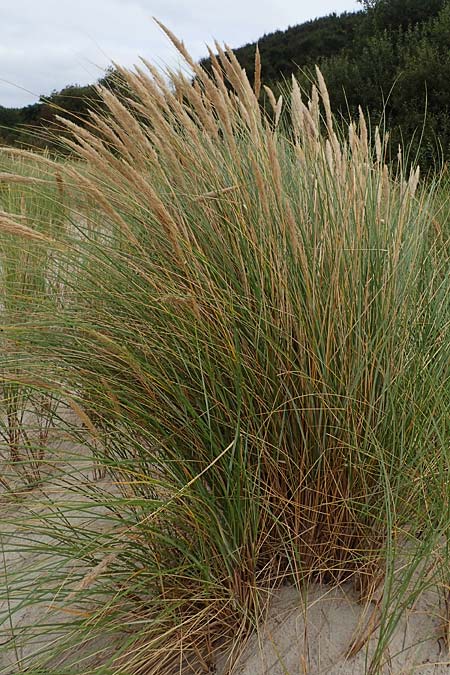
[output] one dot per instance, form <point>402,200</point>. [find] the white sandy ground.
<point>306,633</point>
<point>309,634</point>
<point>68,466</point>
<point>19,569</point>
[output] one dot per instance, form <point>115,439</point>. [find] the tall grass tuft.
<point>254,334</point>
<point>31,208</point>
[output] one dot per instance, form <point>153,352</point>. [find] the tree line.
<point>36,126</point>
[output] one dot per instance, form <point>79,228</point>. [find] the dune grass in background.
<point>29,204</point>
<point>249,317</point>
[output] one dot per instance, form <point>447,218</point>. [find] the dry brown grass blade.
<point>364,635</point>
<point>28,154</point>
<point>213,194</point>
<point>24,380</point>
<point>5,214</point>
<point>92,189</point>
<point>83,417</point>
<point>92,575</point>
<point>16,178</point>
<point>9,226</point>
<point>446,619</point>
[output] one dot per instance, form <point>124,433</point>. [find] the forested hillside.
<point>392,58</point>
<point>36,125</point>
<point>400,72</point>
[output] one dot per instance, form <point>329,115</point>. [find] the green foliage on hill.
<point>282,51</point>
<point>401,13</point>
<point>392,58</point>
<point>401,74</point>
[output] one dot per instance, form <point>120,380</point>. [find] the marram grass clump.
<point>247,312</point>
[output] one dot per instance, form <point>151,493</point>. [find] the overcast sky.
<point>46,44</point>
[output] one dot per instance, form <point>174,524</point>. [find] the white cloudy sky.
<point>46,44</point>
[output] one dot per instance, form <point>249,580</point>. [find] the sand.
<point>27,627</point>
<point>307,633</point>
<point>311,633</point>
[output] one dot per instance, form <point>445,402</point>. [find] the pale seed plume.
<point>257,80</point>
